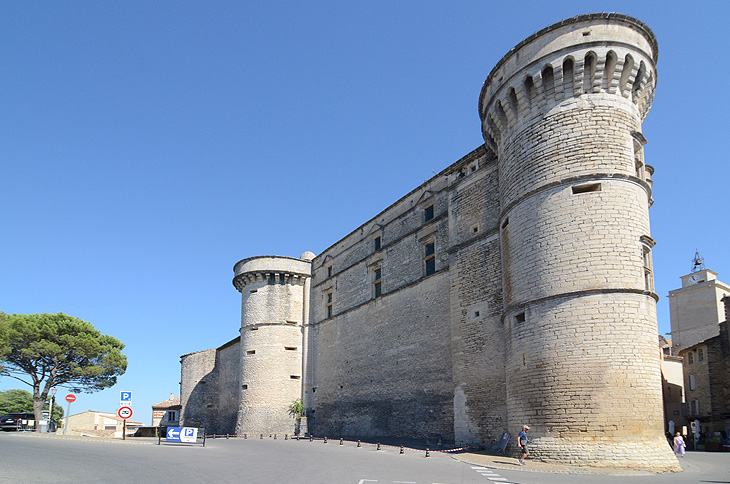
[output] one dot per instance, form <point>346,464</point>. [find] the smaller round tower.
<point>274,311</point>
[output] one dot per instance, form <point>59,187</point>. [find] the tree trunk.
<point>38,402</point>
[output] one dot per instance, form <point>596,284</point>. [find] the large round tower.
<point>274,313</point>
<point>563,112</point>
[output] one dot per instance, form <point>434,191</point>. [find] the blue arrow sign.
<point>173,434</point>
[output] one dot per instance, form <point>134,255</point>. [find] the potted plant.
<point>296,410</point>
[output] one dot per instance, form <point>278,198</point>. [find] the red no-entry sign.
<point>70,398</point>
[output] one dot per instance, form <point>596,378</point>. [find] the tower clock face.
<point>694,278</point>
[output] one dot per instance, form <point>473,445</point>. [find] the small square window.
<point>520,318</point>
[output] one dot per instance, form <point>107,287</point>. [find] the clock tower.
<point>696,309</point>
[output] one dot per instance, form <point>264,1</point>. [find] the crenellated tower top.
<point>589,54</point>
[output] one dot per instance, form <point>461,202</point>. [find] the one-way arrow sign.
<point>173,434</point>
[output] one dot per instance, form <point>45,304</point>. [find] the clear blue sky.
<point>146,147</point>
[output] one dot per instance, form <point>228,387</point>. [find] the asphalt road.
<point>47,459</point>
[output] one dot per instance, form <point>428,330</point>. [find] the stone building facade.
<point>483,299</point>
<point>707,379</point>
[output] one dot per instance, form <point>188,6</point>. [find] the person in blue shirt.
<point>522,442</point>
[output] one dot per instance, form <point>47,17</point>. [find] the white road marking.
<point>496,478</point>
<point>366,480</point>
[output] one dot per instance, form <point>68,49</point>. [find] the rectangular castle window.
<point>329,271</point>
<point>377,243</point>
<point>520,317</point>
<point>377,282</point>
<point>251,352</point>
<point>329,304</point>
<point>244,386</point>
<point>430,257</point>
<point>701,354</point>
<point>586,188</point>
<point>692,384</point>
<point>428,213</point>
<point>295,377</point>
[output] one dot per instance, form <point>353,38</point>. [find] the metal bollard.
<point>325,439</point>
<point>286,436</point>
<point>226,436</point>
<point>428,454</point>
<point>245,436</point>
<point>274,436</point>
<point>401,450</point>
<point>359,444</point>
<point>311,438</point>
<point>262,436</point>
<point>378,447</point>
<point>341,441</point>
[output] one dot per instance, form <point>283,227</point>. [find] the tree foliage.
<point>21,401</point>
<point>296,408</point>
<point>48,350</point>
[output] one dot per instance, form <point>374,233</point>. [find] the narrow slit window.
<point>329,304</point>
<point>251,352</point>
<point>377,243</point>
<point>290,348</point>
<point>295,377</point>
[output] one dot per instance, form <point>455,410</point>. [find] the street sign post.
<point>124,413</point>
<point>69,398</point>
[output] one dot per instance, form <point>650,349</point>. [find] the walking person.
<point>522,442</point>
<point>679,446</point>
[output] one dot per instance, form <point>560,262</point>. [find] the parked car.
<point>14,421</point>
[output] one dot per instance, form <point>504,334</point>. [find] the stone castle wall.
<point>515,287</point>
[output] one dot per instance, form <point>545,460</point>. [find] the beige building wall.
<point>696,309</point>
<point>674,393</point>
<point>99,424</point>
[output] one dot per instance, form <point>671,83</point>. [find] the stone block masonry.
<point>512,288</point>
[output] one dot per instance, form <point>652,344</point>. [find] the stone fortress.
<point>514,287</point>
